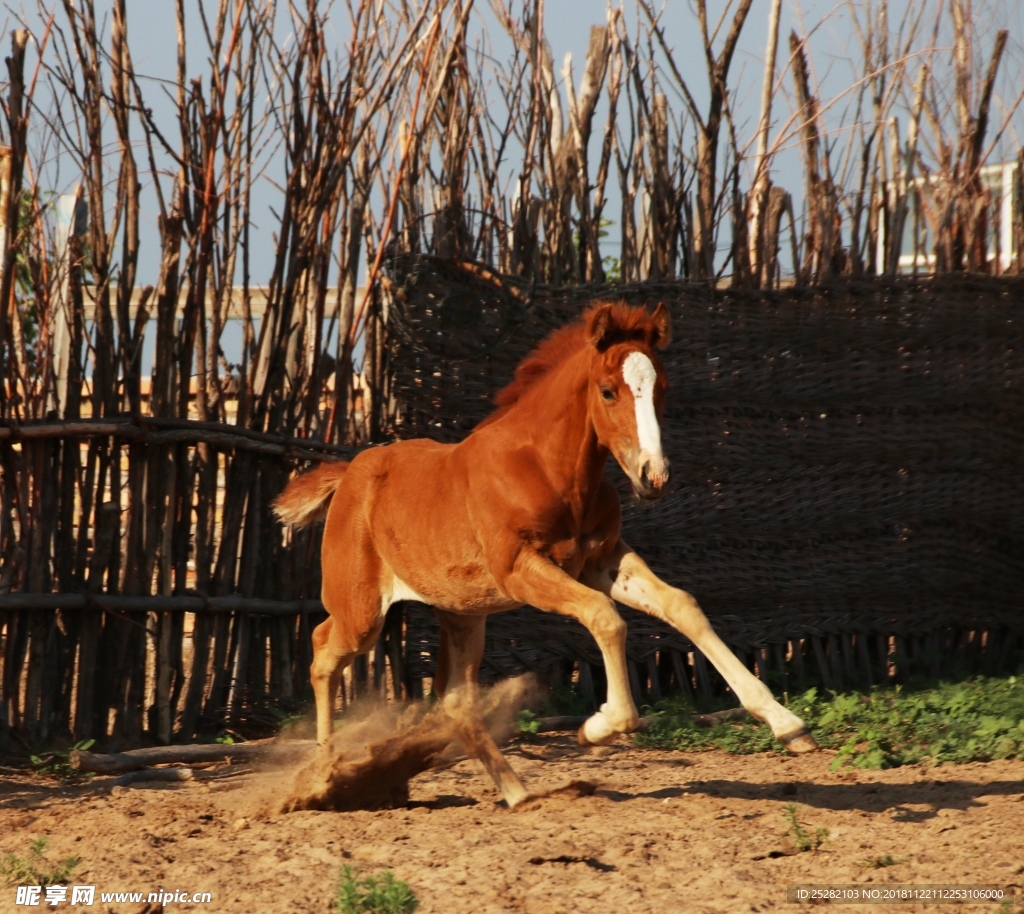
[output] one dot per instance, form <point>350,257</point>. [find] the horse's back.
<point>386,483</point>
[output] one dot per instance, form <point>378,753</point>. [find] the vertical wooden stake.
<point>72,222</point>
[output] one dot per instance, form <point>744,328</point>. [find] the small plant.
<point>871,750</point>
<point>528,723</point>
<point>379,894</point>
<point>56,763</point>
<point>1007,906</point>
<point>36,869</point>
<point>878,863</point>
<point>803,840</point>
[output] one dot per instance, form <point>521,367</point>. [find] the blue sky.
<point>833,51</point>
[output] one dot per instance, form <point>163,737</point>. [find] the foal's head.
<point>627,387</point>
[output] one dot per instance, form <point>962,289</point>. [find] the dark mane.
<point>625,323</point>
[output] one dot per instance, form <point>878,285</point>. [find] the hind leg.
<point>329,662</point>
<point>333,650</point>
<point>352,594</point>
<point>463,637</point>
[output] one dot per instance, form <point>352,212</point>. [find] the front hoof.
<point>799,742</point>
<point>600,734</point>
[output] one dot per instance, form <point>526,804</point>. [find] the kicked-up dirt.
<point>660,832</point>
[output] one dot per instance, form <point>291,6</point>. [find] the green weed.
<point>976,720</point>
<point>1007,906</point>
<point>880,862</point>
<point>803,840</point>
<point>56,763</point>
<point>36,869</point>
<point>528,723</point>
<point>380,894</point>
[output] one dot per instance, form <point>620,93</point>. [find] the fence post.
<point>5,200</point>
<point>72,222</point>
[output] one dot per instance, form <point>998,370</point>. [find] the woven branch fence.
<point>847,501</point>
<point>155,595</point>
<point>847,505</point>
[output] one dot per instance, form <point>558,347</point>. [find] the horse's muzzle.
<point>654,477</point>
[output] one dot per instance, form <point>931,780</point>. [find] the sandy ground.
<point>662,832</point>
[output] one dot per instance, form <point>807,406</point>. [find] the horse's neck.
<point>563,434</point>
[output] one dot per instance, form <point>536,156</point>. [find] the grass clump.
<point>527,723</point>
<point>35,869</point>
<point>880,862</point>
<point>977,720</point>
<point>802,839</point>
<point>376,894</point>
<point>56,763</point>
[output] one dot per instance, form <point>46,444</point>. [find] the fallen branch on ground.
<point>720,717</point>
<point>135,759</point>
<point>138,759</point>
<point>151,774</point>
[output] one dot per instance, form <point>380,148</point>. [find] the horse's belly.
<point>465,589</point>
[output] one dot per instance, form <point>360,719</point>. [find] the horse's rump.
<point>307,497</point>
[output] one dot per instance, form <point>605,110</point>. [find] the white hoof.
<point>596,731</point>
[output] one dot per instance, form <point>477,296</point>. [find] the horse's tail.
<point>306,498</point>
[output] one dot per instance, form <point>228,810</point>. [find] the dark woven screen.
<point>847,459</point>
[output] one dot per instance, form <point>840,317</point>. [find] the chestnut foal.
<point>517,513</point>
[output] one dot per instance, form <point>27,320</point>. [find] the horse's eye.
<point>607,393</point>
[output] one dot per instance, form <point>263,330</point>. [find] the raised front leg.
<point>625,577</point>
<point>539,582</point>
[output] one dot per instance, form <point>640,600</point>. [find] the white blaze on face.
<point>639,374</point>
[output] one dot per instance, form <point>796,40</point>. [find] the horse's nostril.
<point>645,471</point>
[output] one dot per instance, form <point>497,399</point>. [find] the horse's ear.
<point>599,326</point>
<point>661,322</point>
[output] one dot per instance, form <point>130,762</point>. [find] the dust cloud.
<point>380,747</point>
